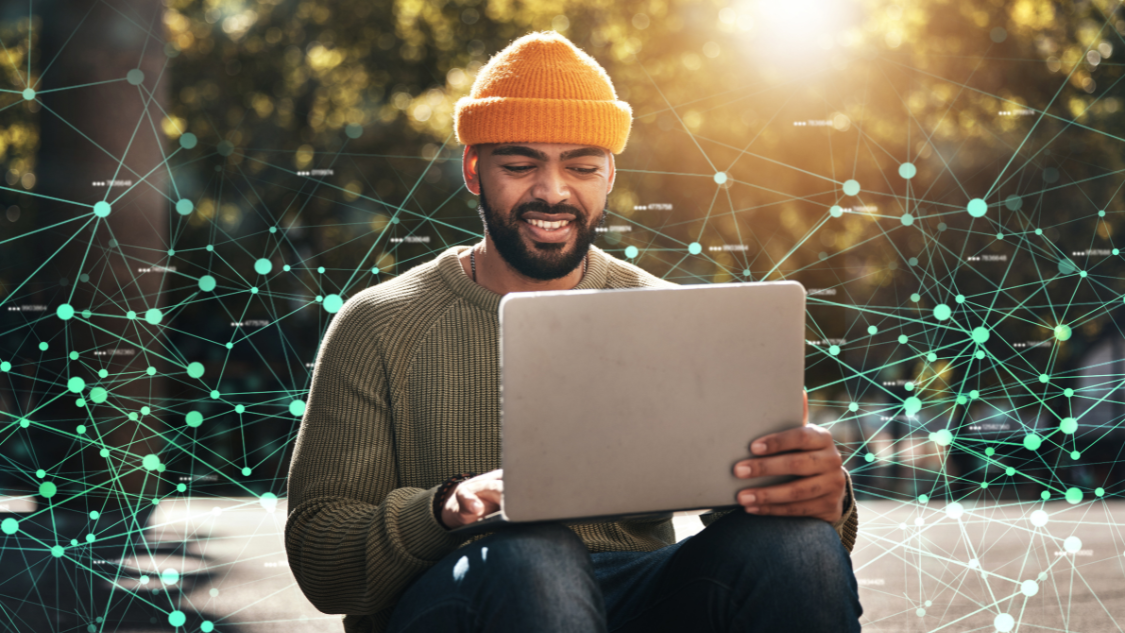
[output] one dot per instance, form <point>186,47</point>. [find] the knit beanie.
<point>543,89</point>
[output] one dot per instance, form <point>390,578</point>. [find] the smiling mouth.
<point>548,226</point>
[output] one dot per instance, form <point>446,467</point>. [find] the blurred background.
<point>192,189</point>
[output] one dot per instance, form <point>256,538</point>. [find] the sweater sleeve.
<point>847,526</point>
<point>355,539</point>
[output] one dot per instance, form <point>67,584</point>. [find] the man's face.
<point>540,202</point>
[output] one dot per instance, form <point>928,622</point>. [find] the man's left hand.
<point>808,452</point>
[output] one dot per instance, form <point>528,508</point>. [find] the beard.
<point>533,259</point>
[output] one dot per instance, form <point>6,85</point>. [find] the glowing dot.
<point>1073,495</point>
<point>177,618</point>
<point>135,76</point>
<point>1072,544</point>
<point>254,290</point>
<point>65,312</point>
<point>907,170</point>
<point>188,140</point>
<point>902,339</point>
<point>1009,471</point>
<point>836,211</point>
<point>246,472</point>
<point>353,130</point>
<point>28,94</point>
<point>1013,202</point>
<point>195,370</point>
<point>47,490</point>
<point>268,501</point>
<point>238,408</point>
<point>333,303</point>
<point>912,405</point>
<point>923,498</point>
<point>1062,332</point>
<point>320,269</point>
<point>184,206</point>
<point>9,526</point>
<point>75,384</point>
<point>215,395</point>
<point>920,612</point>
<point>1032,442</point>
<point>1068,425</point>
<point>977,207</point>
<point>853,406</point>
<point>834,350</point>
<point>631,252</point>
<point>263,266</point>
<point>130,315</point>
<point>980,335</point>
<point>1067,267</point>
<point>960,298</point>
<point>154,316</point>
<point>102,209</point>
<point>1068,392</point>
<point>871,329</point>
<point>915,297</point>
<point>57,551</point>
<point>169,576</point>
<point>5,366</point>
<point>720,178</point>
<point>907,219</point>
<point>150,462</point>
<point>207,625</point>
<point>1099,492</point>
<point>869,457</point>
<point>43,346</point>
<point>151,371</point>
<point>1004,622</point>
<point>943,437</point>
<point>206,283</point>
<point>942,312</point>
<point>297,407</point>
<point>375,269</point>
<point>99,395</point>
<point>1075,455</point>
<point>1029,588</point>
<point>1044,378</point>
<point>954,510</point>
<point>194,418</point>
<point>851,187</point>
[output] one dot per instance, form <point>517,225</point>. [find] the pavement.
<point>221,563</point>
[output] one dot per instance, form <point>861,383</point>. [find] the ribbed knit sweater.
<point>405,394</point>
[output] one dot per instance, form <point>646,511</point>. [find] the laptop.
<point>638,402</point>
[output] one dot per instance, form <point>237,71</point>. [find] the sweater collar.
<point>454,275</point>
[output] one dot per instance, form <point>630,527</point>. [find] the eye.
<point>585,170</point>
<point>518,169</point>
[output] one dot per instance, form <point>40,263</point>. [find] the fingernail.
<point>758,447</point>
<point>752,509</point>
<point>742,470</point>
<point>749,499</point>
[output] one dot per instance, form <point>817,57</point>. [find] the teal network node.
<point>977,208</point>
<point>851,187</point>
<point>102,209</point>
<point>907,170</point>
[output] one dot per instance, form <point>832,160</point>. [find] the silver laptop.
<point>635,402</point>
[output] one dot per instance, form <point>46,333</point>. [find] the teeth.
<point>550,226</point>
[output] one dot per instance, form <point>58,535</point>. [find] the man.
<point>405,398</point>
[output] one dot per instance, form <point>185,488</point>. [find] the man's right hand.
<point>472,499</point>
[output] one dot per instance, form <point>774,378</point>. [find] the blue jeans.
<point>742,573</point>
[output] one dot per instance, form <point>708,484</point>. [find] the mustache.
<point>542,207</point>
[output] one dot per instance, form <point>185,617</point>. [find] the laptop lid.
<point>637,401</point>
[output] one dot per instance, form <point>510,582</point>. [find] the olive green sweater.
<point>405,393</point>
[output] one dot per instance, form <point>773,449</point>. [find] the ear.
<point>470,169</point>
<point>612,173</point>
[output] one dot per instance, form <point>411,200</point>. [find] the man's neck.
<point>494,273</point>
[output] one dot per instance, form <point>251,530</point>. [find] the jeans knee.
<point>784,551</point>
<point>542,556</point>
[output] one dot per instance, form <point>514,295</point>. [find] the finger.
<point>803,463</point>
<point>801,489</point>
<point>469,506</point>
<point>803,438</point>
<point>824,507</point>
<point>805,416</point>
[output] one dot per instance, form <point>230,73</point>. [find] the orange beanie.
<point>543,89</point>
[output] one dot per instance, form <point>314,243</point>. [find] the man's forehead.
<point>543,151</point>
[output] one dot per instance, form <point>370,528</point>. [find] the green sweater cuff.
<point>422,536</point>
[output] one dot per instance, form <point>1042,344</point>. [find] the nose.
<point>550,186</point>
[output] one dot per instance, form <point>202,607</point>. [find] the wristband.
<point>446,487</point>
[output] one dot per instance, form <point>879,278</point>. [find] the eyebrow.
<point>521,150</point>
